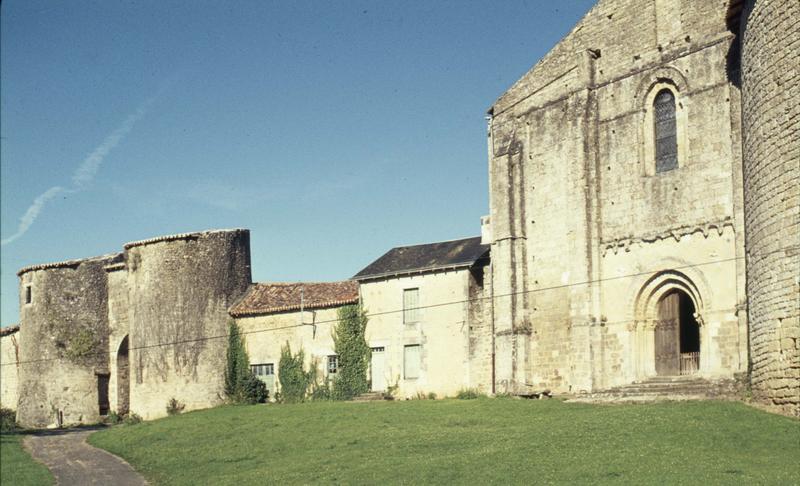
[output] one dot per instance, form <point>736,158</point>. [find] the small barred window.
<point>666,131</point>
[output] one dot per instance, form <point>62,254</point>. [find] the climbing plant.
<point>293,378</point>
<point>241,386</point>
<point>353,352</point>
<point>81,344</point>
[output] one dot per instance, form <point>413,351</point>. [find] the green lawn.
<point>464,441</point>
<point>16,465</point>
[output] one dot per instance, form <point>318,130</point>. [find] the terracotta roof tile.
<point>266,298</point>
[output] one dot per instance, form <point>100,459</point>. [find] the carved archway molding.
<point>645,312</point>
<point>645,303</point>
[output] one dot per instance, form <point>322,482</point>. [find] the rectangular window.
<point>28,294</point>
<point>333,364</point>
<point>267,369</point>
<point>410,306</point>
<point>266,373</point>
<point>411,361</point>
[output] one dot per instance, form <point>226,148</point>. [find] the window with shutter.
<point>411,361</point>
<point>410,306</point>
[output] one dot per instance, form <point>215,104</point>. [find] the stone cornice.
<point>677,233</point>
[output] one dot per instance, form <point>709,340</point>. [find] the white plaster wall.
<point>265,335</point>
<point>9,371</point>
<point>442,332</point>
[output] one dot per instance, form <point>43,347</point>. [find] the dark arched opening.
<point>123,378</point>
<point>677,335</point>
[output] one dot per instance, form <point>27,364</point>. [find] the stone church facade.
<point>644,194</point>
<point>616,204</point>
<point>626,233</point>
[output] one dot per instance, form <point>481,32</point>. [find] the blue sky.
<point>333,130</point>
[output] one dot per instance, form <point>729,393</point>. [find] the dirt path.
<point>74,462</point>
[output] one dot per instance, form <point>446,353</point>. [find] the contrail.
<point>84,174</point>
<point>32,213</point>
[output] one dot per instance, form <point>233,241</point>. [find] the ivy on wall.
<point>351,347</point>
<point>77,345</point>
<point>293,378</point>
<point>241,386</point>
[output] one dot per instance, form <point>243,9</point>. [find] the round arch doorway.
<point>123,378</point>
<point>677,335</point>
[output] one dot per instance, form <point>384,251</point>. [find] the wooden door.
<point>377,374</point>
<point>102,393</point>
<point>667,337</point>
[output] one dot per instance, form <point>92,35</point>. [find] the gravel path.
<point>74,462</point>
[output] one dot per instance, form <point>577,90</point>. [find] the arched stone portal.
<point>123,378</point>
<point>676,335</point>
<point>668,330</point>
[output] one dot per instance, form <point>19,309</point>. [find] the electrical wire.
<point>441,304</point>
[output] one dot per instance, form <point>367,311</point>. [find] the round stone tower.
<point>180,288</point>
<point>63,375</point>
<point>771,156</point>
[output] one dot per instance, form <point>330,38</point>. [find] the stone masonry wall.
<point>572,172</point>
<point>119,329</point>
<point>180,289</point>
<point>63,337</point>
<point>480,329</point>
<point>770,68</point>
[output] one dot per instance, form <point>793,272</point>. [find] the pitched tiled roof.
<point>428,257</point>
<point>266,298</point>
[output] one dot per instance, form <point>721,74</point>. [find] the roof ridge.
<point>436,242</point>
<point>277,284</point>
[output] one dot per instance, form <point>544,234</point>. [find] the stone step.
<point>370,396</point>
<point>672,379</point>
<point>645,388</point>
<point>664,388</point>
<point>639,398</point>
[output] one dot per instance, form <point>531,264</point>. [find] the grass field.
<point>16,465</point>
<point>464,441</point>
